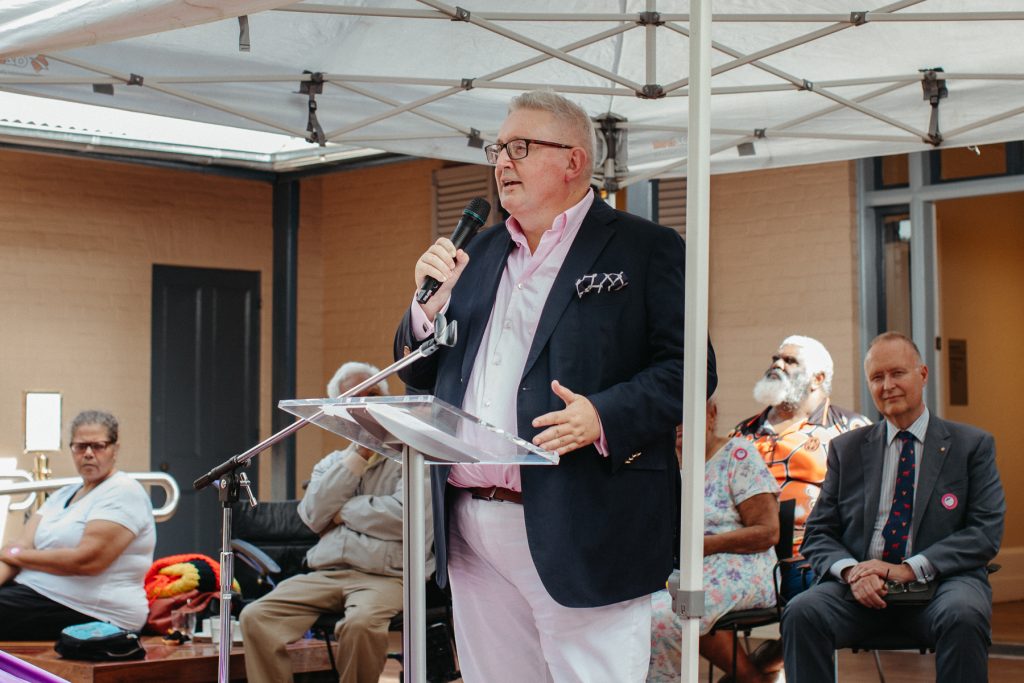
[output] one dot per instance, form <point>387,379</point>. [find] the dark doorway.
<point>205,390</point>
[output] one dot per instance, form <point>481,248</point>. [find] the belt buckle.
<point>488,496</point>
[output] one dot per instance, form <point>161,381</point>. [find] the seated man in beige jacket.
<point>354,502</point>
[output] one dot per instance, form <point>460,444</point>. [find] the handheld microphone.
<point>473,217</point>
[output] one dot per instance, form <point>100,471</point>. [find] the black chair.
<point>270,544</point>
<point>746,620</point>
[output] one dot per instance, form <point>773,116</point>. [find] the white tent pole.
<point>984,122</point>
<point>393,102</point>
<point>683,163</point>
<point>843,101</point>
<point>173,92</point>
<point>730,17</point>
<point>651,47</point>
<point>395,111</point>
<point>433,14</point>
<point>786,45</point>
<point>769,132</point>
<point>454,90</point>
<point>536,45</point>
<point>698,195</point>
<point>823,92</point>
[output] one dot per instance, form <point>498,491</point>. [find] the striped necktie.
<point>897,527</point>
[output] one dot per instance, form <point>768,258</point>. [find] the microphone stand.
<point>229,480</point>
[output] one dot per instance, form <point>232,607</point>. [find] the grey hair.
<point>351,369</point>
<point>566,112</point>
<point>815,358</point>
<point>895,336</point>
<point>96,417</point>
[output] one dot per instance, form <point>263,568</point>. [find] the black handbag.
<point>99,641</point>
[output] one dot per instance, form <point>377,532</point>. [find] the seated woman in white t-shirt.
<point>84,555</point>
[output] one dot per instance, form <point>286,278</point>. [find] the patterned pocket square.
<point>600,282</point>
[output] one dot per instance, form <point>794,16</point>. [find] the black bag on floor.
<point>99,641</point>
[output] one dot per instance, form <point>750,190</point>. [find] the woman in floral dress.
<point>741,526</point>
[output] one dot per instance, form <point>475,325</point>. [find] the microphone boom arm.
<point>445,334</point>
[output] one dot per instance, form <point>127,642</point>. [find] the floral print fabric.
<point>731,581</point>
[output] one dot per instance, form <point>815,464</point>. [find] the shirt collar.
<point>918,428</point>
<point>570,218</point>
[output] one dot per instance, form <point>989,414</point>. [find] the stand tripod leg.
<point>414,602</point>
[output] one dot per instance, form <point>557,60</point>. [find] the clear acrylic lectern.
<point>417,430</point>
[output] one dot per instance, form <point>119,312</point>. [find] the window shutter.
<point>454,187</point>
<point>672,204</point>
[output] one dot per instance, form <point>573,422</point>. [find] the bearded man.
<point>793,432</point>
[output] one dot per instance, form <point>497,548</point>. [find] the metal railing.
<point>30,487</point>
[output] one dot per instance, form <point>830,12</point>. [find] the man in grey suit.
<point>913,469</point>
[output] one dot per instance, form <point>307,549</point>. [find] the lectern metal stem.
<point>414,599</point>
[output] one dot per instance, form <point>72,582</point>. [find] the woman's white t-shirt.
<point>117,595</point>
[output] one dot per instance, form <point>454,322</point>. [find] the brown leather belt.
<point>496,493</point>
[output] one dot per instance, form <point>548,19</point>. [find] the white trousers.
<point>509,630</point>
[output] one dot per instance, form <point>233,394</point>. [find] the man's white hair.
<point>814,357</point>
<point>351,369</point>
<point>566,112</point>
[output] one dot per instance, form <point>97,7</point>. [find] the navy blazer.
<point>959,507</point>
<point>600,529</point>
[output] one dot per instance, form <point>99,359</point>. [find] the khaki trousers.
<point>287,612</point>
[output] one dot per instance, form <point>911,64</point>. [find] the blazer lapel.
<point>935,449</point>
<point>594,233</point>
<point>492,264</point>
<point>872,458</point>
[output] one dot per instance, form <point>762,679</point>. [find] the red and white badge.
<point>949,501</point>
<point>740,454</point>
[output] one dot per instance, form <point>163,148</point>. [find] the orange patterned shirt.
<point>797,456</point>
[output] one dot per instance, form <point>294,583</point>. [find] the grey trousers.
<point>286,613</point>
<point>956,623</point>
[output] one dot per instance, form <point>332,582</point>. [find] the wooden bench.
<point>192,662</point>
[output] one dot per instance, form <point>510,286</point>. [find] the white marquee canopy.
<point>794,81</point>
<point>766,83</point>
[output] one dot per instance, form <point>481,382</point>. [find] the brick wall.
<point>373,224</point>
<point>78,240</point>
<point>783,261</point>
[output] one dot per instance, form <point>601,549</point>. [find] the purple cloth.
<point>14,670</point>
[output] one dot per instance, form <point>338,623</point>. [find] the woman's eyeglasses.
<point>80,447</point>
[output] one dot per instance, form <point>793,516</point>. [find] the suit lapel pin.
<point>949,501</point>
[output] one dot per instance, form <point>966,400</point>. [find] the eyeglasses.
<point>80,447</point>
<point>912,587</point>
<point>517,148</point>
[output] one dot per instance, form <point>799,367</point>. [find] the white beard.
<point>777,388</point>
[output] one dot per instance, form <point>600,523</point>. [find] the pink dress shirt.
<point>498,366</point>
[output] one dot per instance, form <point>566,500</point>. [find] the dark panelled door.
<point>205,391</point>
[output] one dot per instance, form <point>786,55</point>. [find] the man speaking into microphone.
<point>571,322</point>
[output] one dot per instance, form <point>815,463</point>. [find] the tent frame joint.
<point>467,83</point>
<point>651,91</point>
<point>461,14</point>
<point>474,139</point>
<point>858,18</point>
<point>934,90</point>
<point>244,43</point>
<point>313,86</point>
<point>135,79</point>
<point>650,19</point>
